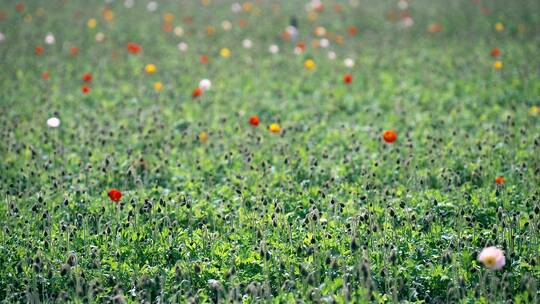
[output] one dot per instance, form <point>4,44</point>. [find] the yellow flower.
<point>499,27</point>
<point>150,68</point>
<point>274,128</point>
<point>168,17</point>
<point>225,52</point>
<point>158,86</point>
<point>309,64</point>
<point>91,23</point>
<point>498,65</point>
<point>534,110</point>
<point>203,136</point>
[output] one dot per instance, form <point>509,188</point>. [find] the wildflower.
<point>347,79</point>
<point>499,27</point>
<point>182,46</point>
<point>247,44</point>
<point>309,64</point>
<point>53,122</point>
<point>2,37</point>
<point>87,77</point>
<point>134,48</point>
<point>114,195</point>
<point>225,52</point>
<point>91,23</point>
<point>205,84</point>
<point>85,89</point>
<point>39,49</point>
<point>152,6</point>
<point>324,43</point>
<point>73,51</point>
<point>389,136</point>
<point>534,110</point>
<point>274,128</point>
<point>45,75</point>
<point>204,59</point>
<point>498,65</point>
<point>273,49</point>
<point>203,137</point>
<point>99,37</point>
<point>178,31</point>
<point>150,68</point>
<point>158,86</point>
<point>492,257</point>
<point>353,30</point>
<point>349,62</point>
<point>197,92</point>
<point>495,52</point>
<point>49,39</point>
<point>499,180</point>
<point>226,25</point>
<point>254,120</point>
<point>332,55</point>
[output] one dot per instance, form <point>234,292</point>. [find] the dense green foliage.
<point>322,211</point>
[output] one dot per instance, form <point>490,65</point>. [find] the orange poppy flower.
<point>495,52</point>
<point>499,180</point>
<point>134,48</point>
<point>39,49</point>
<point>254,120</point>
<point>73,51</point>
<point>197,92</point>
<point>353,30</point>
<point>204,59</point>
<point>347,79</point>
<point>389,136</point>
<point>45,75</point>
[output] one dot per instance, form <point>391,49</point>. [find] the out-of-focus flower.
<point>158,86</point>
<point>495,52</point>
<point>246,43</point>
<point>332,55</point>
<point>499,180</point>
<point>114,195</point>
<point>87,77</point>
<point>182,46</point>
<point>492,257</point>
<point>133,48</point>
<point>498,65</point>
<point>178,31</point>
<point>197,92</point>
<point>226,25</point>
<point>49,39</point>
<point>73,51</point>
<point>499,27</point>
<point>205,84</point>
<point>225,52</point>
<point>91,23</point>
<point>349,62</point>
<point>389,136</point>
<point>534,110</point>
<point>309,64</point>
<point>100,37</point>
<point>347,79</point>
<point>85,89</point>
<point>152,6</point>
<point>273,49</point>
<point>2,37</point>
<point>39,49</point>
<point>203,137</point>
<point>53,122</point>
<point>274,128</point>
<point>150,68</point>
<point>254,120</point>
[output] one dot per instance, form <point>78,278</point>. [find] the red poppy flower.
<point>499,180</point>
<point>353,30</point>
<point>20,7</point>
<point>389,136</point>
<point>204,59</point>
<point>197,92</point>
<point>115,195</point>
<point>73,51</point>
<point>254,120</point>
<point>347,78</point>
<point>87,77</point>
<point>134,48</point>
<point>45,75</point>
<point>39,49</point>
<point>301,45</point>
<point>495,52</point>
<point>85,89</point>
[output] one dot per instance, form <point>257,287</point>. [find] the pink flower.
<point>492,257</point>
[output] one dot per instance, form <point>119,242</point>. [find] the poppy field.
<point>216,151</point>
